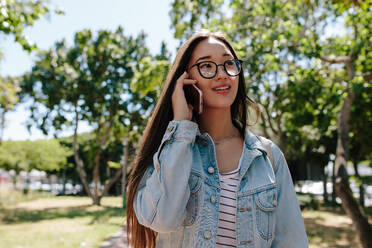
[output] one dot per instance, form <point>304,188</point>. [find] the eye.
<point>206,65</point>
<point>230,62</point>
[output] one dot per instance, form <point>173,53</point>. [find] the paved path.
<point>118,240</point>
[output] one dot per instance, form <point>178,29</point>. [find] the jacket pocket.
<point>192,207</point>
<point>266,202</point>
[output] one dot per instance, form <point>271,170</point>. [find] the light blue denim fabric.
<point>178,196</point>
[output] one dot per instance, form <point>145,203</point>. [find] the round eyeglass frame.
<point>238,62</point>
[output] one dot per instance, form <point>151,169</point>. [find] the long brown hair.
<point>139,235</point>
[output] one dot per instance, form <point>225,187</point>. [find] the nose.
<point>221,73</point>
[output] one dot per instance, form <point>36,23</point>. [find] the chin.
<point>219,104</point>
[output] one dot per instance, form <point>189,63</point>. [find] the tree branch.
<point>107,132</point>
<point>78,161</point>
<point>337,60</point>
<point>269,120</point>
<point>278,119</point>
<point>367,77</point>
<point>264,125</point>
<point>111,182</point>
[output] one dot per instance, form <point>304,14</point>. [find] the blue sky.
<point>133,15</point>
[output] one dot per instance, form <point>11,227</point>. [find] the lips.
<point>222,87</point>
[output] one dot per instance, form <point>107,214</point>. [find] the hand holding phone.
<point>194,96</point>
<point>182,98</point>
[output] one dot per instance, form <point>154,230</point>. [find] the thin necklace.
<point>217,142</point>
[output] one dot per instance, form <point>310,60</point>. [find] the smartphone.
<point>194,96</point>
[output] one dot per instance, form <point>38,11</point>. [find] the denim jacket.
<point>178,196</point>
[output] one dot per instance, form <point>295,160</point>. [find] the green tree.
<point>353,51</point>
<point>287,53</point>
<point>90,81</point>
<point>18,14</point>
<point>15,16</point>
<point>13,157</point>
<point>9,89</point>
<point>150,75</point>
<point>360,131</point>
<point>44,155</point>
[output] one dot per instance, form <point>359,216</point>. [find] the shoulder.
<point>277,153</point>
<point>266,145</point>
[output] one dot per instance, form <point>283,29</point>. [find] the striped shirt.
<point>226,236</point>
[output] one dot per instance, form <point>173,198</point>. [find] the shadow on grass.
<point>20,215</point>
<point>323,235</point>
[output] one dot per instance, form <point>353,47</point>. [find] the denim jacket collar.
<point>251,141</point>
<point>253,147</point>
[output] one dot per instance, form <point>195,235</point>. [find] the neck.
<point>217,123</point>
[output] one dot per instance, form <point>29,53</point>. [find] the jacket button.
<point>207,234</point>
<point>213,199</point>
<point>210,170</point>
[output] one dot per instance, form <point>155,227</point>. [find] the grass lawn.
<point>51,221</point>
<point>330,228</point>
<point>38,221</point>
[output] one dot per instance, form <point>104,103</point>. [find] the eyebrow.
<point>208,57</point>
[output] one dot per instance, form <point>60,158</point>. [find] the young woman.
<point>204,180</point>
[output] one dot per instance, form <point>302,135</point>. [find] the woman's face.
<point>219,91</point>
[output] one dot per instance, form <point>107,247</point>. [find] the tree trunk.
<point>97,200</point>
<point>361,185</point>
<point>264,126</point>
<point>325,192</point>
<point>343,190</point>
<point>112,181</point>
<point>97,195</point>
<point>108,171</point>
<point>334,183</point>
<point>78,161</point>
<point>15,179</point>
<point>2,125</point>
<point>119,172</point>
<point>354,211</point>
<point>26,184</point>
<point>96,179</point>
<point>124,161</point>
<point>361,193</point>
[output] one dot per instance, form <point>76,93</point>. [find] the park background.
<point>79,79</point>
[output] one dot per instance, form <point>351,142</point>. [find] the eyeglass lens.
<point>209,69</point>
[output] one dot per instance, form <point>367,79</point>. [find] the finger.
<point>189,81</point>
<point>179,82</point>
<point>190,106</point>
<point>182,77</point>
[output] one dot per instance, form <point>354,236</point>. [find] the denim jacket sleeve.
<point>289,229</point>
<point>162,195</point>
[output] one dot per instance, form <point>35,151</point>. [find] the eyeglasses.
<point>208,69</point>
